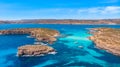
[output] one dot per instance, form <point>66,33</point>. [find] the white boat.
<point>29,37</point>
<point>37,43</point>
<point>52,53</point>
<point>80,46</point>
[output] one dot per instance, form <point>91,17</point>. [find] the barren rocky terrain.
<point>107,38</point>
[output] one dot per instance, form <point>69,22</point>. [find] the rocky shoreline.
<point>107,39</point>
<point>40,34</point>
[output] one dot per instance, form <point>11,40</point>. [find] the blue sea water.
<point>69,54</point>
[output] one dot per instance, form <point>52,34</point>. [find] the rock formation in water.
<point>34,50</point>
<point>107,38</point>
<point>41,34</point>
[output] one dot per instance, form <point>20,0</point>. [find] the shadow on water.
<point>108,57</point>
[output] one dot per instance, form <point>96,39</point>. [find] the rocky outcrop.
<point>34,50</point>
<point>107,38</point>
<point>41,34</point>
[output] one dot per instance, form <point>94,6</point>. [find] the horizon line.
<point>58,19</point>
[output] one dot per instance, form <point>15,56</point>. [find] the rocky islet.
<point>34,50</point>
<point>40,34</point>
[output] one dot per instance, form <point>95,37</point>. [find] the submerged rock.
<point>34,50</point>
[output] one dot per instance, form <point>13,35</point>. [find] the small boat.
<point>40,43</point>
<point>43,43</point>
<point>80,46</point>
<point>37,43</point>
<point>29,37</point>
<point>52,53</point>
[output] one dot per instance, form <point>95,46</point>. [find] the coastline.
<point>40,34</point>
<point>60,23</point>
<point>105,39</point>
<point>63,21</point>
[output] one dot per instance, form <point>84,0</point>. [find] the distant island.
<point>107,38</point>
<point>62,21</point>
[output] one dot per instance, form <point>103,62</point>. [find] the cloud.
<point>73,13</point>
<point>101,10</point>
<point>111,10</point>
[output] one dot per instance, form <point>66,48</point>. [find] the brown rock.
<point>107,39</point>
<point>34,50</point>
<point>41,34</point>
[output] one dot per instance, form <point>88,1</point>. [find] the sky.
<point>59,9</point>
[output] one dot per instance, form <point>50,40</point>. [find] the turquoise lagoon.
<point>69,54</point>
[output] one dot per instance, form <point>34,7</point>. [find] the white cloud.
<point>101,10</point>
<point>93,12</point>
<point>111,10</point>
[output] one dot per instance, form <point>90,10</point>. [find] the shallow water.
<point>68,51</point>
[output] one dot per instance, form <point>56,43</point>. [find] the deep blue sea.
<point>68,52</point>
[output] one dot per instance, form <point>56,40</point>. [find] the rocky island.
<point>34,50</point>
<point>107,39</point>
<point>40,34</point>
